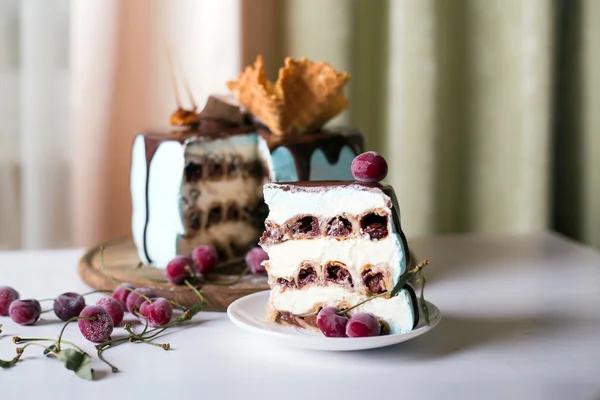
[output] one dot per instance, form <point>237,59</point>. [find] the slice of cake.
<point>336,244</point>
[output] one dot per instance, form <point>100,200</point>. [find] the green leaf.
<point>195,309</point>
<point>85,370</point>
<point>9,364</point>
<point>76,361</point>
<point>50,350</point>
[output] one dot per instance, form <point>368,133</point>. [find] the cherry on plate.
<point>331,324</point>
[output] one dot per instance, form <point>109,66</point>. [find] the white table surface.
<point>521,319</point>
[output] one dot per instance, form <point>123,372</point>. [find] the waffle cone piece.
<point>306,95</point>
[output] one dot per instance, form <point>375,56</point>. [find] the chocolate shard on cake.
<point>335,243</point>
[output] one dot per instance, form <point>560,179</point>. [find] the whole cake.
<point>339,244</point>
<point>201,183</point>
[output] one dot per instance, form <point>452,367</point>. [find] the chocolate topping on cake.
<point>224,108</point>
<point>302,147</point>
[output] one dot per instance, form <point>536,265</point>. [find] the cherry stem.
<point>116,282</point>
<point>113,368</point>
<point>422,297</point>
<point>408,275</point>
<point>145,275</point>
<point>45,311</point>
<point>85,294</point>
<point>139,337</point>
<point>26,340</point>
<point>15,360</point>
<point>239,278</point>
<point>200,295</point>
<point>186,85</point>
<point>345,311</point>
<point>67,323</point>
<point>156,344</point>
<point>172,73</point>
<point>177,305</point>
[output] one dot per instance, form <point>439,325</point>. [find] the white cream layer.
<point>397,311</point>
<point>285,258</point>
<point>244,146</point>
<point>334,201</point>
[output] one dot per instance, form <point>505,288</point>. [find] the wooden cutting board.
<point>122,263</point>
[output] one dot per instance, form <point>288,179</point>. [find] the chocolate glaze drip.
<point>303,146</point>
<point>207,127</point>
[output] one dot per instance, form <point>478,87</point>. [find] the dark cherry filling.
<point>336,273</point>
<point>193,172</point>
<point>214,216</point>
<point>233,212</point>
<point>194,218</point>
<point>236,249</point>
<point>221,252</point>
<point>255,168</point>
<point>258,214</point>
<point>272,234</point>
<point>373,281</point>
<point>215,169</point>
<point>306,276</point>
<point>233,167</point>
<point>375,226</point>
<point>285,283</point>
<point>339,227</point>
<point>305,226</point>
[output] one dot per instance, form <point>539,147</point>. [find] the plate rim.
<point>306,339</point>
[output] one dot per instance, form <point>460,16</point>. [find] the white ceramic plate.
<point>249,314</point>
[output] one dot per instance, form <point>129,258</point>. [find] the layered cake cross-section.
<point>336,243</point>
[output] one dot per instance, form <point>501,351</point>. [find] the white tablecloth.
<point>521,319</point>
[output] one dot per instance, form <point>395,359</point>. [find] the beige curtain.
<point>484,109</point>
<point>121,85</point>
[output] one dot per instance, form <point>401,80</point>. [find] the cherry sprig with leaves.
<point>77,360</point>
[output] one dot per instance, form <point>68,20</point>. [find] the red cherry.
<point>179,269</point>
<point>369,167</point>
<point>254,259</point>
<point>206,259</point>
<point>331,324</point>
<point>363,325</point>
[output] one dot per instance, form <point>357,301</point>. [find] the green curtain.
<point>483,108</point>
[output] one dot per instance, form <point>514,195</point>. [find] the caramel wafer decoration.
<point>305,96</point>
